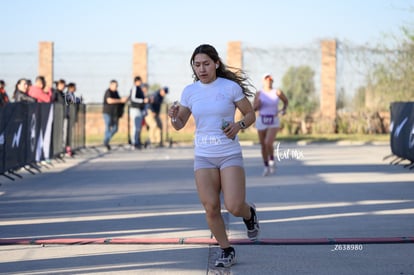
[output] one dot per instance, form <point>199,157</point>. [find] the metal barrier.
<point>35,132</point>
<point>402,132</point>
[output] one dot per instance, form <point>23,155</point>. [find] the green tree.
<point>299,87</point>
<point>341,100</point>
<point>359,98</point>
<point>393,79</point>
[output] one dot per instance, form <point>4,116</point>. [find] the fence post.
<point>140,61</point>
<point>235,59</point>
<point>328,80</point>
<point>234,54</point>
<point>46,62</point>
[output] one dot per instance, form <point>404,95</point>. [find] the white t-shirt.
<point>210,104</point>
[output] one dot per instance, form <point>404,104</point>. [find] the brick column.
<point>46,62</point>
<point>234,54</point>
<point>328,79</point>
<point>140,61</point>
<point>235,59</point>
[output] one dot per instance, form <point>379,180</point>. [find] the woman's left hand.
<point>232,130</point>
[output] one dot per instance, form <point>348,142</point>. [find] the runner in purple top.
<point>266,102</point>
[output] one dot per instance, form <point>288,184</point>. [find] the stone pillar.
<point>234,54</point>
<point>235,60</point>
<point>140,61</point>
<point>328,79</point>
<point>46,62</point>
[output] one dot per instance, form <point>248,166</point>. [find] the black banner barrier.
<point>15,134</point>
<point>79,138</point>
<point>2,138</point>
<point>5,112</point>
<point>76,127</point>
<point>402,130</point>
<point>59,130</point>
<point>33,132</point>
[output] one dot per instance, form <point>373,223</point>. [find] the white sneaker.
<point>266,171</point>
<point>272,166</point>
<point>226,259</point>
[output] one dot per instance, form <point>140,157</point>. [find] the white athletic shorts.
<point>264,122</point>
<point>218,162</point>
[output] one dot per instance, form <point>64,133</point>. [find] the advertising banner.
<point>402,129</point>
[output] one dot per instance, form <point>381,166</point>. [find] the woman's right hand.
<point>173,111</point>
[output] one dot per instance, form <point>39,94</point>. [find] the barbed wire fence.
<point>277,60</point>
<point>92,71</point>
<point>170,66</point>
<point>16,65</point>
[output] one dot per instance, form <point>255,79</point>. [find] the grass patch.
<point>186,137</point>
<point>252,136</point>
<point>336,138</point>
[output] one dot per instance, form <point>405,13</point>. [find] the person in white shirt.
<point>218,163</point>
<point>137,111</point>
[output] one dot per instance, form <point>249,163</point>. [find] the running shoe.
<point>252,225</point>
<point>226,259</point>
<point>266,171</point>
<point>272,166</point>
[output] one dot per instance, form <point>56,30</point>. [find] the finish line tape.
<point>207,241</point>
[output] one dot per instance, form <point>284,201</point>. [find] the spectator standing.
<point>137,111</point>
<point>59,92</point>
<point>4,98</point>
<point>39,91</point>
<point>111,111</point>
<point>144,124</point>
<point>154,120</point>
<point>29,84</point>
<point>20,92</point>
<point>72,110</point>
<point>70,96</point>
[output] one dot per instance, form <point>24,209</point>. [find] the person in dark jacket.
<point>20,93</point>
<point>111,111</point>
<point>4,98</point>
<point>154,120</point>
<point>59,92</point>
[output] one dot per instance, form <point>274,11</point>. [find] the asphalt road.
<point>329,209</point>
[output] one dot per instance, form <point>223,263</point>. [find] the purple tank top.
<point>269,102</point>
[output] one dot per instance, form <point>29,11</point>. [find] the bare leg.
<point>209,188</point>
<point>233,184</point>
<point>262,140</point>
<point>269,140</point>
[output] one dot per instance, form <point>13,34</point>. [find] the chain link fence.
<point>170,66</point>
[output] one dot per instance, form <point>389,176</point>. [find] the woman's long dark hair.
<point>235,74</point>
<point>16,87</point>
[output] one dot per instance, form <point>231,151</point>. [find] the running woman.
<point>266,102</point>
<point>218,163</point>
